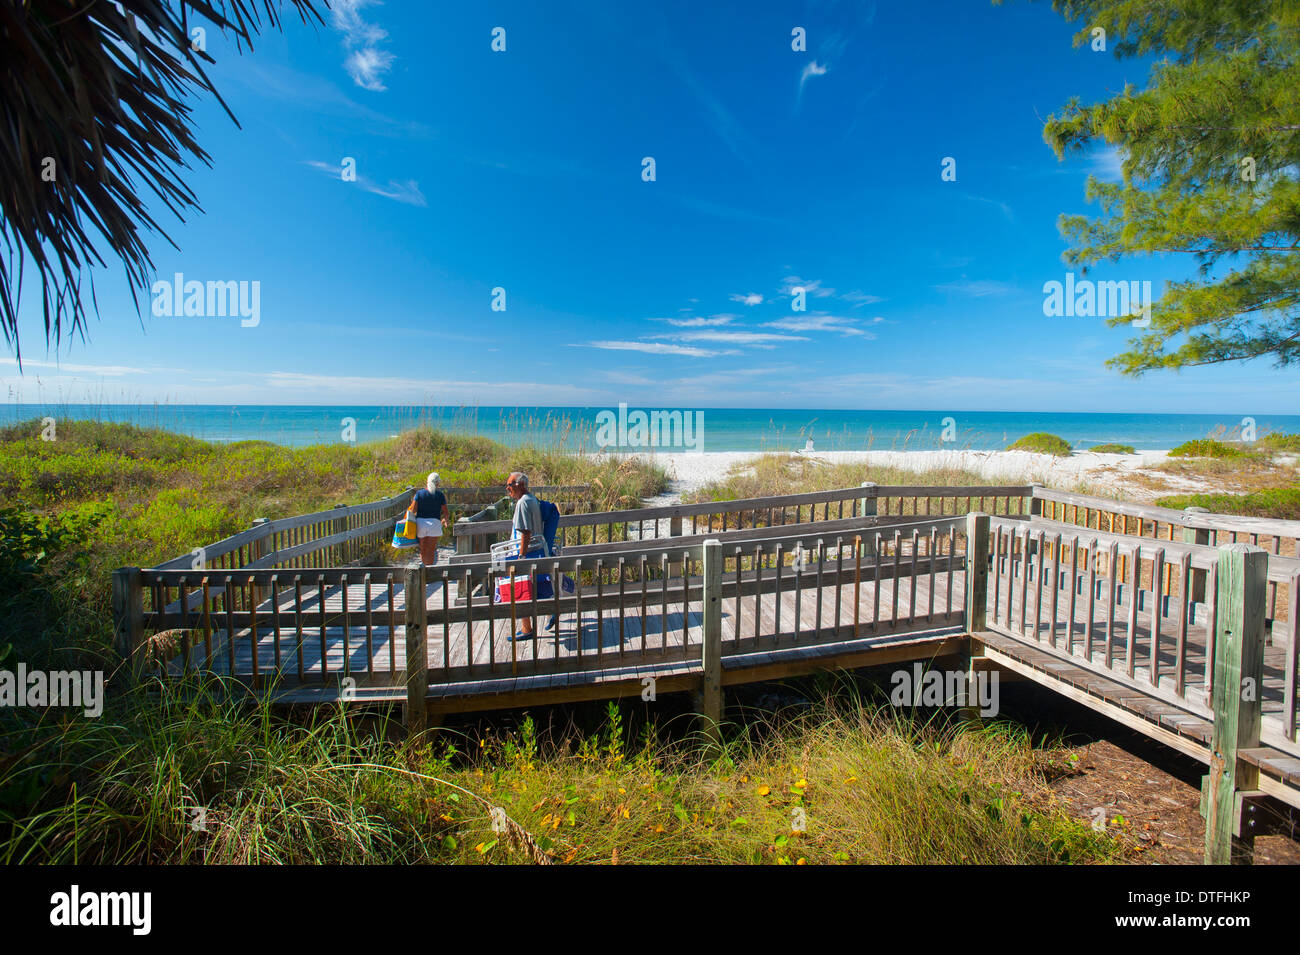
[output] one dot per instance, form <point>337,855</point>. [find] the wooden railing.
<point>569,498</point>
<point>321,626</point>
<point>1196,525</point>
<point>330,538</point>
<point>675,520</point>
<point>1142,610</point>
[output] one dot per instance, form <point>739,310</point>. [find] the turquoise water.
<point>720,429</point>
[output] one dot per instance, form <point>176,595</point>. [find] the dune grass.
<point>1041,442</point>
<point>194,779</point>
<point>772,474</point>
<point>1207,448</point>
<point>1282,503</point>
<point>1112,449</point>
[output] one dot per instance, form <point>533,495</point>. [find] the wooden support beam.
<point>259,551</point>
<point>977,571</point>
<point>417,659</point>
<point>341,551</point>
<point>1238,679</point>
<point>709,700</point>
<point>1196,535</point>
<point>868,506</point>
<point>128,619</point>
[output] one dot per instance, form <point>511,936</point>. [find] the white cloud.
<point>860,298</point>
<point>978,289</point>
<point>407,192</point>
<point>367,63</point>
<point>820,323</point>
<point>445,392</point>
<point>111,371</point>
<point>751,298</point>
<point>811,286</point>
<point>652,348</point>
<point>809,71</point>
<point>700,322</point>
<point>738,338</point>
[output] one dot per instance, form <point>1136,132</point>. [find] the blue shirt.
<point>430,504</point>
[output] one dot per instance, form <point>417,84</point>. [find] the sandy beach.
<point>1082,470</point>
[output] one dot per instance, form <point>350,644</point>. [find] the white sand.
<point>1082,470</point>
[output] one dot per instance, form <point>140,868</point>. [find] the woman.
<point>431,511</point>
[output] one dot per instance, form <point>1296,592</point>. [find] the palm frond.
<point>93,115</point>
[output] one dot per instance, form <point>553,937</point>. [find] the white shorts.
<point>428,527</point>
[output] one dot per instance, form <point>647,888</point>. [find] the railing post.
<point>417,658</point>
<point>868,507</point>
<point>1196,535</point>
<point>709,699</point>
<point>259,551</point>
<point>977,571</point>
<point>338,526</point>
<point>674,530</point>
<point>1035,502</point>
<point>128,619</point>
<point>1238,671</point>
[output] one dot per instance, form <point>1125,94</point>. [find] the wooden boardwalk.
<point>663,629</point>
<point>692,598</point>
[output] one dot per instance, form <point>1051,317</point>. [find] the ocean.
<point>715,429</point>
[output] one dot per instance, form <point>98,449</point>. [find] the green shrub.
<point>1113,449</point>
<point>1282,503</point>
<point>1277,441</point>
<point>1206,448</point>
<point>1042,443</point>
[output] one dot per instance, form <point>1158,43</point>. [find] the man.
<point>527,525</point>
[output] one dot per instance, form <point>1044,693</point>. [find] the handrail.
<point>670,511</point>
<point>1204,556</point>
<point>691,546</point>
<point>265,529</point>
<point>1194,519</point>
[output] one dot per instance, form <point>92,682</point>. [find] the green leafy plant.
<point>1206,448</point>
<point>1042,443</point>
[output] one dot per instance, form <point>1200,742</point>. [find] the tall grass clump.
<point>1206,448</point>
<point>773,474</point>
<point>1041,442</point>
<point>198,779</point>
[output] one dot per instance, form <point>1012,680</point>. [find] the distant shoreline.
<point>725,430</point>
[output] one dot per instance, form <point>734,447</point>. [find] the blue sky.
<point>522,170</point>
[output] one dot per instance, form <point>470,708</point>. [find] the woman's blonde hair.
<point>433,481</point>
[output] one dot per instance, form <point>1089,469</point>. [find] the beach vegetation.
<point>1041,442</point>
<point>1281,503</point>
<point>198,778</point>
<point>1207,448</point>
<point>1112,448</point>
<point>1278,441</point>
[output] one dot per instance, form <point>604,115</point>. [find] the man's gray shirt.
<point>528,517</point>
